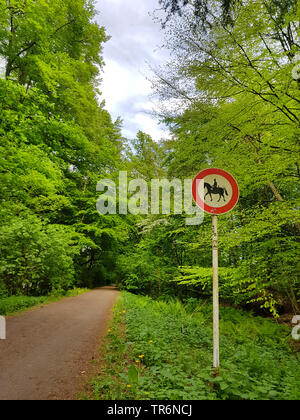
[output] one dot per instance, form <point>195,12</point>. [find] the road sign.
<point>215,191</point>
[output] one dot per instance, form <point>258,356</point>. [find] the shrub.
<point>35,258</point>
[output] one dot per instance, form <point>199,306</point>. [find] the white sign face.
<point>217,190</point>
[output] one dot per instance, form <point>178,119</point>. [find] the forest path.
<point>48,350</point>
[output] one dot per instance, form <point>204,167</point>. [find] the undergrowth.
<point>13,304</point>
<point>165,353</point>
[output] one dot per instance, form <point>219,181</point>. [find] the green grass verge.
<point>13,304</point>
<point>163,351</point>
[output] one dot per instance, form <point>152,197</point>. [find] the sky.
<point>135,42</point>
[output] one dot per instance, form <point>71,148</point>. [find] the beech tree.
<point>226,7</point>
<point>231,101</point>
<point>57,142</point>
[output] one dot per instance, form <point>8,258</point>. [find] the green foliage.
<point>35,258</point>
<point>13,304</point>
<point>147,157</point>
<point>149,266</point>
<point>18,303</point>
<point>56,142</point>
<point>170,346</point>
<point>238,110</point>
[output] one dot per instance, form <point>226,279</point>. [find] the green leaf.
<point>133,375</point>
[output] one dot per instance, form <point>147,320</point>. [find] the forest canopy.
<point>57,141</point>
<point>230,97</point>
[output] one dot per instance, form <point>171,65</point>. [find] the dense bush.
<point>35,258</point>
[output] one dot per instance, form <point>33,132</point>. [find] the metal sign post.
<point>215,259</point>
<point>219,196</point>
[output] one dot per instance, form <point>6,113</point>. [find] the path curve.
<point>48,349</point>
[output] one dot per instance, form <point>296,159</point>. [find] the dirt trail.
<point>48,349</point>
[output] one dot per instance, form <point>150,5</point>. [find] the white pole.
<point>215,292</point>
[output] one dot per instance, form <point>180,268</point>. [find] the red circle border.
<point>216,210</point>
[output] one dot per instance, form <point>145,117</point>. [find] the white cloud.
<point>120,83</point>
<point>135,40</point>
<point>146,124</point>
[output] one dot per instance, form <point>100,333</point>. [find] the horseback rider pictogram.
<point>215,189</point>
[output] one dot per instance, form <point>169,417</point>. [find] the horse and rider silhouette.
<point>215,189</point>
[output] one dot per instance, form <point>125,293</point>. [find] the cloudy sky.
<point>135,41</point>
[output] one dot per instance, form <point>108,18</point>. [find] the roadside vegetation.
<point>13,304</point>
<point>163,350</point>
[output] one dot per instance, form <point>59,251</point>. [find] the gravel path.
<point>48,350</point>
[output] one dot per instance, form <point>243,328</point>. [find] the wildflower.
<point>141,356</point>
<point>124,312</point>
<point>137,361</point>
<point>128,386</point>
<point>150,341</point>
<point>109,330</point>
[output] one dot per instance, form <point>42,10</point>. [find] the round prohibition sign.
<point>219,191</point>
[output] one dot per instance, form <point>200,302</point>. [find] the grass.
<point>163,351</point>
<point>13,304</point>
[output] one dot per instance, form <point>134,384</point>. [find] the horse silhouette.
<point>214,189</point>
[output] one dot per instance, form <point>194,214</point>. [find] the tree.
<point>201,7</point>
<point>239,110</point>
<point>146,157</point>
<point>250,61</point>
<point>57,142</point>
